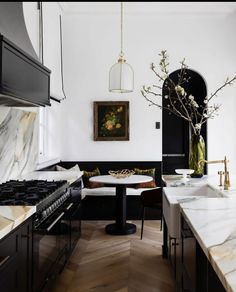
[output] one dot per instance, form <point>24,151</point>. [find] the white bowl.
<point>184,171</point>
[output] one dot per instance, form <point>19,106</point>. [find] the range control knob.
<point>44,213</point>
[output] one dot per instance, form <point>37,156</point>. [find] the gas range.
<point>56,224</point>
<point>47,196</point>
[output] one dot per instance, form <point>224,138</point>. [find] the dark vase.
<point>197,152</point>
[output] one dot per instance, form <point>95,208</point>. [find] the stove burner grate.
<point>31,192</point>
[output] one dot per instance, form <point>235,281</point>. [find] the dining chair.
<point>151,199</point>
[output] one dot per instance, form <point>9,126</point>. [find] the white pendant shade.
<point>121,78</point>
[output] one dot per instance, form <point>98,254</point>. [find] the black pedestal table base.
<point>114,230</point>
<point>120,227</point>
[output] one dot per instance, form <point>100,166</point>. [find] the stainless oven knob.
<point>44,213</point>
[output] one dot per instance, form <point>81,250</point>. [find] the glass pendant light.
<point>121,76</point>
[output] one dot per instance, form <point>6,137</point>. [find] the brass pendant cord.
<point>121,29</point>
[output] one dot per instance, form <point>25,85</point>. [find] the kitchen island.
<point>213,224</point>
<point>211,220</point>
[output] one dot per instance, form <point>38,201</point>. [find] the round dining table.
<point>121,227</point>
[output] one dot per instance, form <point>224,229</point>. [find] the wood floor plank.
<point>107,263</point>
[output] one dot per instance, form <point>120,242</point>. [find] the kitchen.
<point>55,62</point>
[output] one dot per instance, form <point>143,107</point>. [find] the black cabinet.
<point>75,221</point>
<point>25,257</point>
<point>54,245</point>
<point>188,258</point>
<point>16,259</point>
<point>197,272</point>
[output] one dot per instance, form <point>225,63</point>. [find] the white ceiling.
<point>149,7</point>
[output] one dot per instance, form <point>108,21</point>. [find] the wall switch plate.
<point>157,125</point>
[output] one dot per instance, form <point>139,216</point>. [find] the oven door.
<point>72,218</point>
<point>50,248</point>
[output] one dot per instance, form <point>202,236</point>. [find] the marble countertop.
<point>213,222</point>
<point>12,216</point>
<point>70,176</point>
<point>210,180</point>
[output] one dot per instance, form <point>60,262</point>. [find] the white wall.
<point>91,46</point>
<point>52,60</point>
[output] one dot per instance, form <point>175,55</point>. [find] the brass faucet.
<point>226,172</point>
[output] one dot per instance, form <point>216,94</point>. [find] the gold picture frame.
<point>111,120</point>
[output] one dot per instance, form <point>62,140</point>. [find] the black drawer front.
<point>9,246</point>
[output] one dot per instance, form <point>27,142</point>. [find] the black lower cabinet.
<point>75,226</point>
<point>53,244</point>
<point>16,259</point>
<point>197,272</point>
<point>9,276</point>
<point>25,258</point>
<point>31,259</point>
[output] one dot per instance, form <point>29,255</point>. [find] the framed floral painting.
<point>111,120</point>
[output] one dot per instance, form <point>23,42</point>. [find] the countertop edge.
<point>11,224</point>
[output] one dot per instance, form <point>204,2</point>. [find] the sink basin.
<point>173,196</point>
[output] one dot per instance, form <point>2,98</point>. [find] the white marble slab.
<point>210,180</point>
<point>18,143</point>
<point>213,222</point>
<point>13,216</point>
<point>70,176</point>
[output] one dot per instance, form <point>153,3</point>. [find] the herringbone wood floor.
<point>106,263</point>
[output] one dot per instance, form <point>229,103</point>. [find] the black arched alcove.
<point>175,130</point>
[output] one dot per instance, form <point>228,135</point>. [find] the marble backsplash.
<point>18,142</point>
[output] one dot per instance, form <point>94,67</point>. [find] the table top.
<point>133,179</point>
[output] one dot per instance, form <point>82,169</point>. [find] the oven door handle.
<point>68,207</point>
<point>55,221</point>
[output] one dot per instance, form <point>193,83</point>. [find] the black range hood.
<point>24,81</point>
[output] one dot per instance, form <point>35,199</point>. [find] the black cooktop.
<point>27,192</point>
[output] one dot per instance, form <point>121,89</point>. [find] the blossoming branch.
<point>179,102</point>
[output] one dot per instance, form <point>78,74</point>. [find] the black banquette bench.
<point>102,207</point>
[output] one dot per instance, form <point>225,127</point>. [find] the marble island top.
<point>13,216</point>
<point>210,180</point>
<point>212,220</point>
